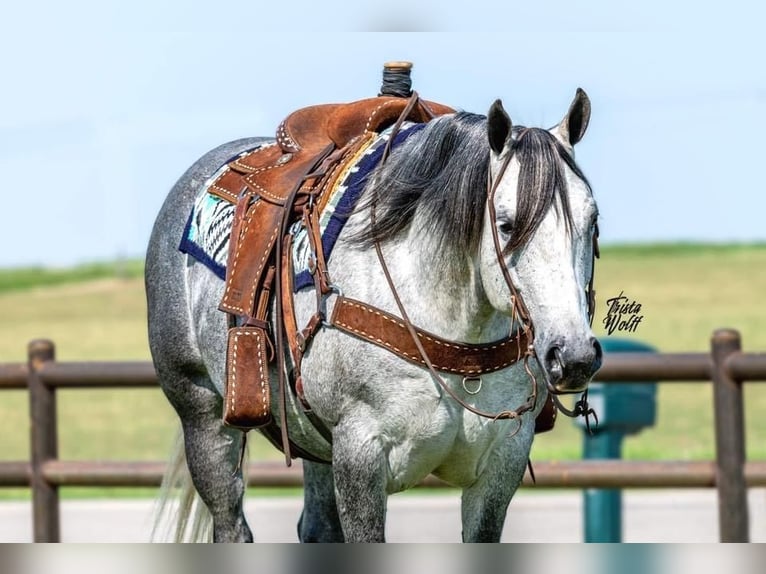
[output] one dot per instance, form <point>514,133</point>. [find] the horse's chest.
<point>456,449</point>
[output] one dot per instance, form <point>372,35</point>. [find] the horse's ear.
<point>498,127</point>
<point>572,127</point>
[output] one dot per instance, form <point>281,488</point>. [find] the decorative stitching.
<point>228,195</point>
<point>233,378</point>
<point>285,139</point>
<point>374,112</point>
<point>418,359</point>
<point>425,335</point>
<point>222,191</point>
<point>259,353</point>
<point>236,260</point>
<point>262,262</point>
<point>248,168</point>
<point>250,179</point>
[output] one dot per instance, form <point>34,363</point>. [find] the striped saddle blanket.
<point>208,228</point>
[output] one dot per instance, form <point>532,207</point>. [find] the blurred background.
<point>106,103</point>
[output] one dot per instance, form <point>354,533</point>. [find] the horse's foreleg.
<point>359,469</point>
<point>319,521</point>
<point>485,503</point>
<point>212,453</point>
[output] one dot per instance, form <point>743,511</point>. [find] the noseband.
<point>519,313</point>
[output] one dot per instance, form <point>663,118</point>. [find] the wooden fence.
<point>726,366</point>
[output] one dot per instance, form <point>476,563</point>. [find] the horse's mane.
<point>440,173</point>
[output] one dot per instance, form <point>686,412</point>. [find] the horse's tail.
<point>189,520</point>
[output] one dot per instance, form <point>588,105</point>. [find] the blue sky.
<point>105,104</point>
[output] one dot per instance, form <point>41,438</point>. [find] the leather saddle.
<point>311,144</point>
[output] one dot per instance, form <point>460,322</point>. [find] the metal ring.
<point>474,379</point>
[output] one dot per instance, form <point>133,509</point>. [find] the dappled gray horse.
<point>471,230</point>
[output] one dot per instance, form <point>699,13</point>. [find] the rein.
<point>365,321</point>
<point>525,328</point>
<point>514,414</point>
<point>581,406</point>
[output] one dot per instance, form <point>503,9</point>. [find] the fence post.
<point>729,441</point>
<point>43,443</point>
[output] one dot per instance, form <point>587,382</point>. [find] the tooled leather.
<point>315,126</point>
<point>272,170</point>
<point>390,332</point>
<point>365,322</point>
<point>225,186</point>
<point>262,183</point>
<point>247,397</point>
<point>251,250</point>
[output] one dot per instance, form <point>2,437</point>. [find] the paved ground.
<point>648,516</point>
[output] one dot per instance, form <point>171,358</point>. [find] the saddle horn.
<point>397,80</point>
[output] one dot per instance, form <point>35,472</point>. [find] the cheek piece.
<point>520,318</point>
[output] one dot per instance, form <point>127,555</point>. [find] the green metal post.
<point>622,410</point>
<point>603,506</point>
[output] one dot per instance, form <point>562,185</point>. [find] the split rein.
<point>581,406</point>
<point>521,340</point>
<point>524,327</point>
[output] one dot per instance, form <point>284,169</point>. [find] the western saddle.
<point>273,187</point>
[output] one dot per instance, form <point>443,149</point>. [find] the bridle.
<point>520,318</point>
<point>531,402</point>
<point>380,328</point>
<point>581,407</point>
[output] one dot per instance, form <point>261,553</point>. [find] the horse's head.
<point>537,247</point>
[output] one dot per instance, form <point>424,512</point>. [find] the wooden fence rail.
<point>726,366</point>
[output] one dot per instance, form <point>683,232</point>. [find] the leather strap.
<point>421,351</point>
<point>297,340</point>
<point>390,332</point>
<point>280,336</point>
<point>516,300</point>
<point>273,434</point>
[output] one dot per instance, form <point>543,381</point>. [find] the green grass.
<point>679,249</point>
<point>31,277</point>
<point>686,291</point>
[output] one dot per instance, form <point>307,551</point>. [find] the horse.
<point>473,228</point>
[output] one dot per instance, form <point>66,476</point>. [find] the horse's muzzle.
<point>569,368</point>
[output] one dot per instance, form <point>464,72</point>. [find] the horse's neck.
<point>447,300</point>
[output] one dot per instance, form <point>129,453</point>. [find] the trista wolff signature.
<point>622,314</point>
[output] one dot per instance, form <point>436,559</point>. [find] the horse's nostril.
<point>554,361</point>
<point>597,347</point>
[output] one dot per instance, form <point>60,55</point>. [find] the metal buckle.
<point>301,341</point>
<point>332,290</point>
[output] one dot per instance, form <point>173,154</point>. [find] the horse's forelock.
<point>541,182</point>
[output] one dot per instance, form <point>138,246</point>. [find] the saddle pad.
<point>208,228</point>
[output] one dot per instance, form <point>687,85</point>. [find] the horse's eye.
<point>505,227</point>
